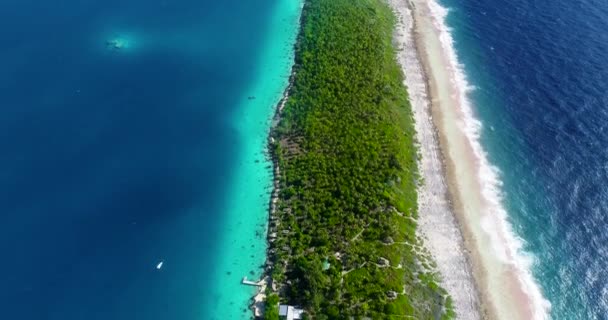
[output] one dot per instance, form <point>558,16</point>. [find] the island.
<point>342,224</point>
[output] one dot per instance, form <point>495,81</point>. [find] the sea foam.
<point>437,225</point>
<point>506,245</point>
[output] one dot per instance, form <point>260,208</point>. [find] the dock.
<point>252,283</point>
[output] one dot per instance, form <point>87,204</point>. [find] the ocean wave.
<point>506,245</point>
<point>437,225</point>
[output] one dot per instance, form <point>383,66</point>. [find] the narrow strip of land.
<point>343,222</point>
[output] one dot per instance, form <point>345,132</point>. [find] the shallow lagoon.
<point>116,160</point>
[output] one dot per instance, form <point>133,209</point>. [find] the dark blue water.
<point>541,72</point>
<point>112,160</point>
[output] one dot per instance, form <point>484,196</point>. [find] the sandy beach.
<point>462,220</point>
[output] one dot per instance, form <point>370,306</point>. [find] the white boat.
<point>159,265</point>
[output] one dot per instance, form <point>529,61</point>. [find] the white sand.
<point>500,268</point>
<point>436,224</point>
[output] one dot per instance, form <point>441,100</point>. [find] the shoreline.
<point>243,246</point>
<point>421,277</point>
<point>437,225</point>
<point>497,272</point>
<point>257,301</point>
<point>461,223</point>
<point>257,304</point>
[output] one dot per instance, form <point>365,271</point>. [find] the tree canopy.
<point>345,146</point>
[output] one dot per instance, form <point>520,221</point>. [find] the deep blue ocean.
<point>112,160</point>
<point>540,69</point>
<point>116,152</point>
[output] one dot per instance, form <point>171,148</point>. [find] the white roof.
<point>297,313</point>
<point>290,312</point>
<point>283,310</point>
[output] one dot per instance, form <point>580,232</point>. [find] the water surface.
<point>541,73</point>
<point>116,157</point>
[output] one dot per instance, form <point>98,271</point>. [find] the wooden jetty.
<point>252,283</point>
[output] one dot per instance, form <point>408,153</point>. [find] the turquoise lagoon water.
<point>244,243</point>
<point>127,138</point>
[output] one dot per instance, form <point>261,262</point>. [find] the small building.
<point>326,265</point>
<point>290,312</point>
<point>383,262</point>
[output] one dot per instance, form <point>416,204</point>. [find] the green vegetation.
<point>346,152</point>
<point>272,308</point>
